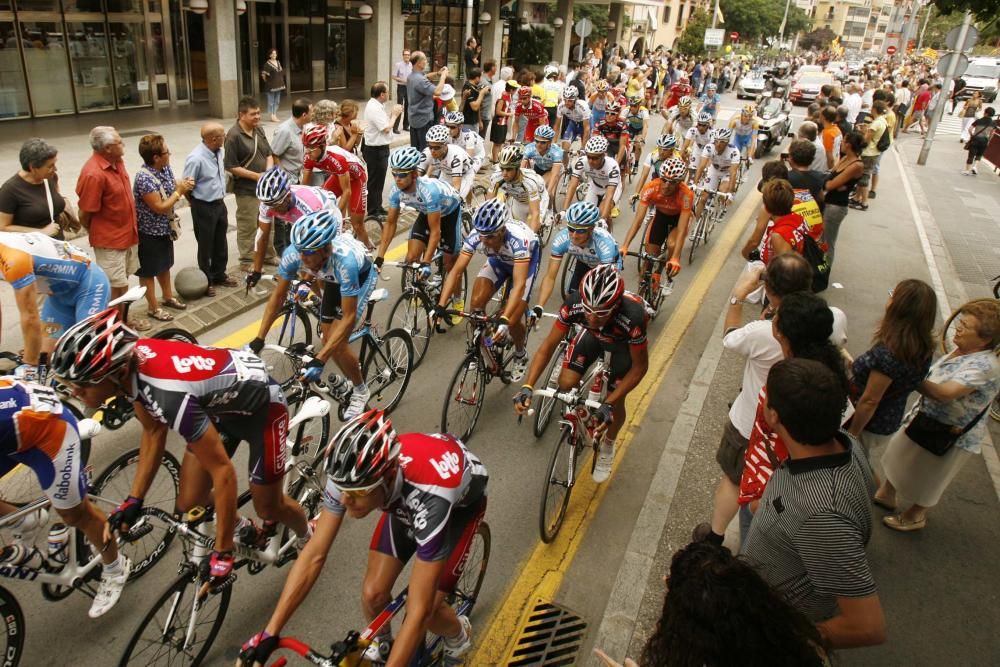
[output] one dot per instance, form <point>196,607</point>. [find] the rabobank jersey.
<point>601,249</point>
<point>520,244</point>
<point>721,161</point>
<point>348,265</point>
<point>427,196</point>
<point>454,163</point>
<point>32,417</point>
<point>306,199</point>
<point>543,162</point>
<point>57,267</point>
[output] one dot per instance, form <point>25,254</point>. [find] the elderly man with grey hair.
<point>810,132</point>
<point>30,200</point>
<point>107,211</point>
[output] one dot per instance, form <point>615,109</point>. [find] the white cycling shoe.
<point>378,651</point>
<point>518,365</point>
<point>605,457</point>
<point>359,401</point>
<point>459,646</point>
<point>110,589</point>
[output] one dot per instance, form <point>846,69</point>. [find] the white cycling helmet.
<point>601,288</point>
<point>570,93</point>
<point>666,141</point>
<point>363,451</point>
<point>405,159</point>
<point>545,132</point>
<point>705,118</point>
<point>438,134</point>
<point>673,169</point>
<point>511,155</point>
<point>723,134</point>
<point>454,118</point>
<point>596,145</point>
<point>273,185</point>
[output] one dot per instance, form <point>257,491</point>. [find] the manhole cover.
<point>552,635</point>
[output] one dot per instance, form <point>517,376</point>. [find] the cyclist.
<point>448,161</point>
<point>719,162</point>
<point>679,120</point>
<point>287,203</point>
<point>529,114</point>
<point>710,101</point>
<point>666,148</point>
<point>744,130</point>
<point>695,141</point>
<point>37,431</point>
<point>571,120</point>
<point>523,190</point>
<point>598,102</point>
<point>348,278</point>
<point>615,130</point>
<point>552,89</point>
<point>466,139</point>
<point>34,264</point>
<point>635,118</point>
<point>611,320</point>
<point>679,91</point>
<point>602,174</point>
<point>431,491</point>
<point>512,258</point>
<point>439,212</point>
<point>202,393</point>
<point>545,158</point>
<point>348,177</point>
<point>672,201</point>
<point>585,239</point>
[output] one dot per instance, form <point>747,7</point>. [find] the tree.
<point>692,40</point>
<point>761,19</point>
<point>818,39</point>
<point>531,46</point>
<point>938,27</point>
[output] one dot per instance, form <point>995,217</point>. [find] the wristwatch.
<point>733,301</point>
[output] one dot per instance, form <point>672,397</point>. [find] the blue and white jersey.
<point>543,163</point>
<point>348,265</point>
<point>601,249</point>
<point>520,244</point>
<point>428,196</point>
<point>710,104</point>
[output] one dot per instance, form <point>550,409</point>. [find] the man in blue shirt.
<point>208,208</point>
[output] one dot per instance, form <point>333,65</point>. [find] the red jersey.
<point>503,107</point>
<point>536,115</point>
<point>765,452</point>
<point>677,91</point>
<point>337,162</point>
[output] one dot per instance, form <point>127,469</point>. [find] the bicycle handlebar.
<point>571,397</point>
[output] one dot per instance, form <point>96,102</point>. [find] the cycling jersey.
<point>699,139</point>
<point>681,124</point>
<point>542,162</point>
<point>187,387</point>
<point>636,121</point>
<point>579,112</point>
<point>654,160</point>
<point>722,162</point>
<point>682,201</point>
<point>427,196</point>
<point>348,266</point>
<point>677,91</point>
<point>473,145</point>
<point>612,130</point>
<point>455,163</point>
<point>601,249</point>
<point>599,102</point>
<point>337,162</point>
<point>521,192</point>
<point>741,129</point>
<point>38,431</point>
<point>601,177</point>
<point>710,104</point>
<point>626,327</point>
<point>535,114</point>
<point>520,245</point>
<point>305,200</point>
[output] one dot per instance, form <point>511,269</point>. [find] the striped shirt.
<point>808,538</point>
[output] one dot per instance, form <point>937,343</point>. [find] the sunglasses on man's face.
<point>361,492</point>
<point>402,174</point>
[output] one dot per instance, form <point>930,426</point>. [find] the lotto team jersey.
<point>543,162</point>
<point>455,163</point>
<point>723,161</point>
<point>188,386</point>
<point>308,199</point>
<point>626,327</point>
<point>428,196</point>
<point>579,111</point>
<point>519,245</point>
<point>57,267</point>
<point>336,161</point>
<point>601,249</point>
<point>436,475</point>
<point>32,417</point>
<point>348,265</point>
<point>600,178</point>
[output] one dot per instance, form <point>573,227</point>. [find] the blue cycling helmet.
<point>491,216</point>
<point>273,185</point>
<point>454,118</point>
<point>545,132</point>
<point>405,159</point>
<point>666,141</point>
<point>582,215</point>
<point>315,230</point>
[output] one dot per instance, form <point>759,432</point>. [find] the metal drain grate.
<point>551,636</point>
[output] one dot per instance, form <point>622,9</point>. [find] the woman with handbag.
<point>945,428</point>
<point>979,138</point>
<point>156,193</point>
<point>30,200</point>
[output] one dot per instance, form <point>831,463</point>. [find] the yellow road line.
<point>541,573</point>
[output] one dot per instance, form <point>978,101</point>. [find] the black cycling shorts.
<point>579,271</point>
<point>660,228</point>
<point>266,430</point>
<point>451,230</point>
<point>330,309</point>
<point>586,349</point>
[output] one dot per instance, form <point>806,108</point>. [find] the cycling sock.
<point>115,567</point>
<point>714,538</point>
<point>520,352</point>
<point>460,638</point>
<point>363,386</point>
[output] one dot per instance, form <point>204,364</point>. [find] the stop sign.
<point>733,36</point>
<point>891,50</point>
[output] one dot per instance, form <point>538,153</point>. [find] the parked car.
<point>805,89</point>
<point>774,121</point>
<point>750,85</point>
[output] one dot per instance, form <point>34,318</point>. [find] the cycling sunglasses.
<point>578,230</point>
<point>359,492</point>
<point>401,174</point>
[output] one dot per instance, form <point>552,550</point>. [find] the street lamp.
<point>557,22</point>
<point>198,6</point>
<point>365,12</point>
<point>241,7</point>
<point>485,18</point>
<point>611,25</point>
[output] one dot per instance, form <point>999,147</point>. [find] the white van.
<point>982,75</point>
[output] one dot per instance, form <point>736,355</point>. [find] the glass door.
<point>46,65</point>
<point>13,88</point>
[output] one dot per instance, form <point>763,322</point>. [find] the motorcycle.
<point>774,122</point>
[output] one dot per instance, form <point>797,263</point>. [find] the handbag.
<point>935,436</point>
<point>174,221</point>
<point>229,177</point>
<point>68,222</point>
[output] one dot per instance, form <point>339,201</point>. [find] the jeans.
<point>746,518</point>
<point>377,158</point>
<point>273,100</point>
<point>405,116</point>
<point>418,136</point>
<point>833,215</point>
<point>211,220</point>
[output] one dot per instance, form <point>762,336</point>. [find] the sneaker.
<point>26,530</point>
<point>605,457</point>
<point>518,366</point>
<point>975,171</point>
<point>110,589</point>
<point>872,194</point>
<point>359,401</point>
<point>459,646</point>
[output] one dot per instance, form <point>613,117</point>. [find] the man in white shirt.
<point>853,103</point>
<point>378,136</point>
<point>401,72</point>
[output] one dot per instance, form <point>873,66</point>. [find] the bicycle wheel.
<point>161,636</point>
<point>467,212</point>
<point>176,333</point>
<point>373,226</point>
<point>581,191</point>
<point>387,367</point>
<point>544,406</point>
<point>699,228</point>
<point>558,486</point>
<point>412,314</point>
<point>308,444</point>
<point>477,195</point>
<point>477,558</point>
<point>545,229</point>
<point>464,400</point>
<point>290,328</point>
<point>566,275</point>
<point>12,642</point>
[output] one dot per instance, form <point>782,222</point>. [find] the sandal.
<point>883,503</point>
<point>175,304</point>
<point>140,325</point>
<point>210,291</point>
<point>161,315</point>
<point>897,522</point>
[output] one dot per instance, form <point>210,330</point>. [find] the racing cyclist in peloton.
<point>348,177</point>
<point>679,120</point>
<point>672,200</point>
<point>695,141</point>
<point>586,240</point>
<point>523,190</point>
<point>744,129</point>
<point>598,102</point>
<point>466,139</point>
<point>721,160</point>
<point>348,277</point>
<point>612,320</point>
<point>529,114</point>
<point>710,101</point>
<point>446,161</point>
<point>545,158</point>
<point>288,203</point>
<point>666,148</point>
<point>603,176</point>
<point>572,120</point>
<point>615,130</point>
<point>512,257</point>
<point>635,119</point>
<point>431,491</point>
<point>202,393</point>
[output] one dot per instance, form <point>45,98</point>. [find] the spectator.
<point>718,610</point>
<point>489,78</point>
<point>474,94</point>
<point>156,194</point>
<point>286,147</point>
<point>957,87</point>
<point>870,156</point>
<point>853,103</point>
<point>205,166</point>
<point>842,122</point>
<point>107,212</point>
<point>937,97</point>
<point>809,131</point>
<point>958,391</point>
<point>830,136</point>
<point>814,521</point>
<point>970,108</point>
<point>979,138</point>
<point>502,114</point>
<point>378,136</point>
<point>789,229</point>
<point>248,155</point>
<point>274,83</point>
<point>920,103</point>
<point>421,92</point>
<point>769,172</point>
<point>346,131</point>
<point>25,197</point>
<point>472,51</point>
<point>400,73</point>
<point>841,181</point>
<point>801,154</point>
<point>903,98</point>
<point>883,377</point>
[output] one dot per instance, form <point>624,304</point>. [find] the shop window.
<point>13,91</point>
<point>47,67</point>
<point>88,49</point>
<point>128,57</point>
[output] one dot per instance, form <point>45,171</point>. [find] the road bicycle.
<point>567,175</point>
<point>578,431</point>
<point>711,215</point>
<point>477,195</point>
<point>742,172</point>
<point>651,286</point>
<point>182,624</point>
<point>543,407</point>
<point>75,565</point>
<point>350,650</point>
<point>633,152</point>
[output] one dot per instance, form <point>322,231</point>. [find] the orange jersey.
<point>682,201</point>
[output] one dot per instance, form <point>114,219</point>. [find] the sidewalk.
<point>927,580</point>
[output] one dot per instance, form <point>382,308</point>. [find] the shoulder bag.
<point>246,165</point>
<point>173,221</point>
<point>67,221</point>
<point>935,436</point>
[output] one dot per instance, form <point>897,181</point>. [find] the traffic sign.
<point>945,63</point>
<point>734,36</point>
<point>891,50</point>
<point>714,36</point>
<point>583,27</point>
<point>971,37</point>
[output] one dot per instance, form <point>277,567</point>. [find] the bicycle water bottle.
<point>595,388</point>
<point>58,544</point>
<point>338,385</point>
<point>19,555</point>
<point>434,281</point>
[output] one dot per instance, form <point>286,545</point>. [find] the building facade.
<point>862,25</point>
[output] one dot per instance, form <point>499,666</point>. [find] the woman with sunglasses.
<point>432,494</point>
